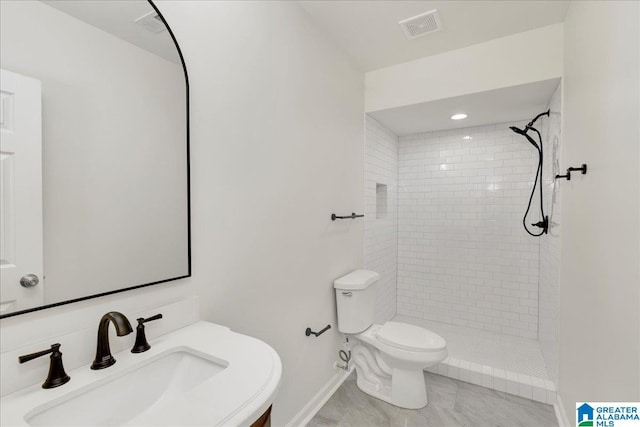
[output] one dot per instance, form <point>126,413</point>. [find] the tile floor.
<point>451,404</point>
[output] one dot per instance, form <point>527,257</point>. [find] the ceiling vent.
<point>421,25</point>
<point>152,22</point>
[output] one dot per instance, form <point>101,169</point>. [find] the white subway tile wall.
<point>463,256</point>
<point>550,244</point>
<point>381,229</point>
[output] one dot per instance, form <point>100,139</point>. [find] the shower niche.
<point>381,201</point>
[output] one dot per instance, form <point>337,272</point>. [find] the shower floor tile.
<point>504,352</point>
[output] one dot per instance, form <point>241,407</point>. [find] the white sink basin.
<point>202,374</point>
<point>128,396</point>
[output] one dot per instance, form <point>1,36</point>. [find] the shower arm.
<point>530,124</point>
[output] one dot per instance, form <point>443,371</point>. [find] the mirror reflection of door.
<point>20,192</point>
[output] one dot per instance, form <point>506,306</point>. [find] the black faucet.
<point>104,359</point>
<point>57,376</point>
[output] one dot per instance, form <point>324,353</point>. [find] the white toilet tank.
<point>356,300</point>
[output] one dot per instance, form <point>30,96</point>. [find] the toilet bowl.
<point>389,358</point>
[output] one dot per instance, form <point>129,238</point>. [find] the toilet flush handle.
<point>347,294</point>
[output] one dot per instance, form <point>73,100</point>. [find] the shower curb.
<point>521,385</point>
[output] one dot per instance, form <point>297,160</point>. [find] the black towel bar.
<point>352,216</point>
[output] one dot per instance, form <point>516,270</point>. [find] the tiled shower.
<point>443,227</point>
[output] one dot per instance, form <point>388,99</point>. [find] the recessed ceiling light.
<point>466,138</point>
<point>459,116</point>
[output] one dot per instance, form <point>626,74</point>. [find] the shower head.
<point>518,131</point>
<point>524,133</point>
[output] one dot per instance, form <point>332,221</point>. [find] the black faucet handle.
<point>149,319</point>
<point>27,357</point>
<point>141,345</point>
<point>57,376</point>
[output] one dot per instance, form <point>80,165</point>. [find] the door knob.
<point>29,280</point>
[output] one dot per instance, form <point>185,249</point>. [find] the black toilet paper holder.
<point>308,331</point>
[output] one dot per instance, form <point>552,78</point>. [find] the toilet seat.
<point>410,337</point>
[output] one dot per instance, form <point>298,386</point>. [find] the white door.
<point>20,192</point>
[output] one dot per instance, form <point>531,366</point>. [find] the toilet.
<point>389,358</point>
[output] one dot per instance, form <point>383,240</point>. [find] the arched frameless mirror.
<point>94,162</point>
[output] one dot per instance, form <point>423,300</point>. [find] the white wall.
<point>549,270</point>
<point>114,155</point>
<point>277,146</point>
<point>600,253</point>
<point>463,256</point>
<point>526,57</point>
<point>381,230</point>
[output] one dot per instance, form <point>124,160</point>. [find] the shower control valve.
<point>544,224</point>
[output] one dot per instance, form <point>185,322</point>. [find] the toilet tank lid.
<point>356,280</point>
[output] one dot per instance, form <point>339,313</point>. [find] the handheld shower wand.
<point>544,222</point>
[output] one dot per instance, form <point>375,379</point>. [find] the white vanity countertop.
<point>236,396</point>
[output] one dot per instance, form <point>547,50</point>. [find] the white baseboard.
<point>561,414</point>
<point>312,407</point>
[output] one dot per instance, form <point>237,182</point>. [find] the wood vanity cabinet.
<point>264,420</point>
